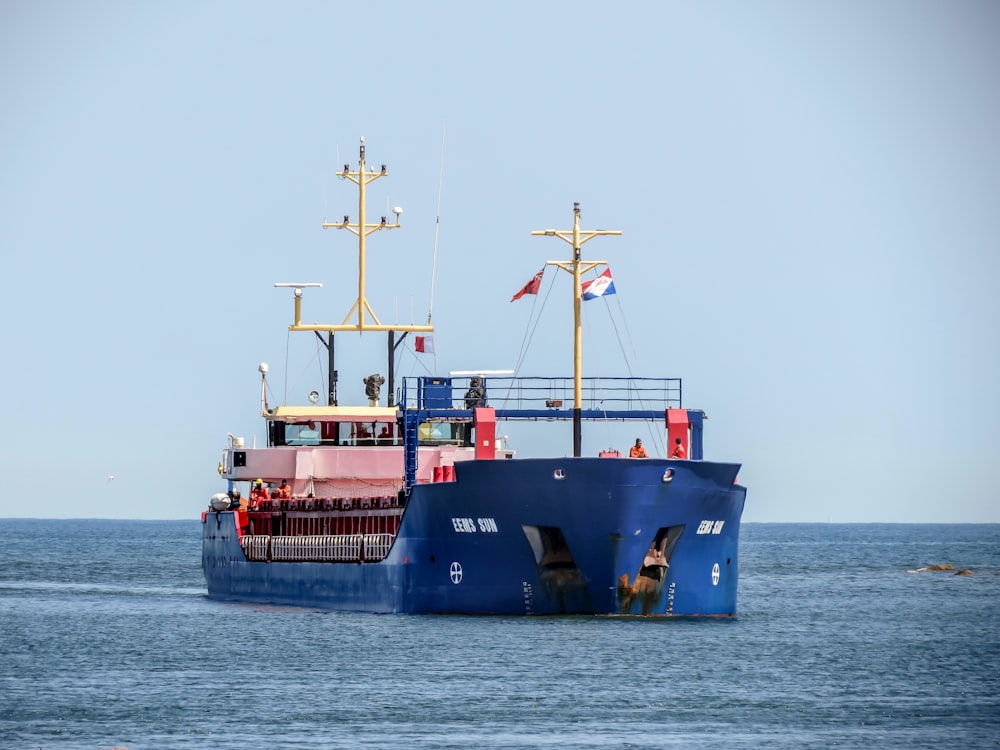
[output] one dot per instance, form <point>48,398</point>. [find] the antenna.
<point>437,229</point>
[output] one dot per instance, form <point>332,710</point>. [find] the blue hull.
<point>525,536</point>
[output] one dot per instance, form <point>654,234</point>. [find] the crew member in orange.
<point>637,451</point>
<point>259,492</point>
<point>678,451</point>
<point>284,492</point>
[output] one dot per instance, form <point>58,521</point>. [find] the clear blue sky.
<point>809,195</point>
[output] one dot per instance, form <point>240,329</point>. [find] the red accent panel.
<point>677,427</point>
<point>484,421</point>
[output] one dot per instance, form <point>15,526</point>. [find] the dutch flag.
<point>599,287</point>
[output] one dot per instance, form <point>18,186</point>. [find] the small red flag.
<point>424,344</point>
<point>531,287</point>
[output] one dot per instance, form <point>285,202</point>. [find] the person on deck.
<point>284,491</point>
<point>637,451</point>
<point>236,500</point>
<point>476,395</point>
<point>259,492</point>
<point>678,451</point>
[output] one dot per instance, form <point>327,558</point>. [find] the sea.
<point>107,640</point>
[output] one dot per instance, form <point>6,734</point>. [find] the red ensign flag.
<point>531,287</point>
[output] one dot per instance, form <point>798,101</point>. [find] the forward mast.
<point>576,267</point>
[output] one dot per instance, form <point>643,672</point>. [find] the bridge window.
<point>445,433</point>
<point>301,434</point>
<point>336,433</point>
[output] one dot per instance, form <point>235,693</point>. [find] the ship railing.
<point>256,547</point>
<point>529,395</point>
<point>377,546</point>
<point>320,548</point>
<point>348,499</point>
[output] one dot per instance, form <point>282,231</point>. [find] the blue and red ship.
<point>417,506</point>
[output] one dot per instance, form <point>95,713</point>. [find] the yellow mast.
<point>576,267</point>
<point>361,229</point>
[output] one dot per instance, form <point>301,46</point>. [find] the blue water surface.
<point>109,641</point>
